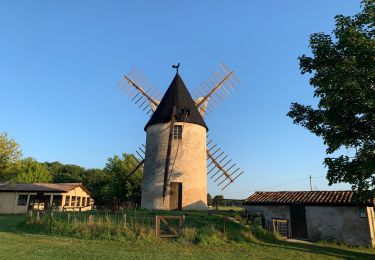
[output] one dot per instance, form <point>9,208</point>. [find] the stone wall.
<point>270,212</point>
<point>187,165</point>
<point>342,224</point>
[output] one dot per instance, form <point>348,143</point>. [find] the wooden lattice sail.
<point>141,92</point>
<point>221,169</point>
<point>212,92</point>
<point>178,108</point>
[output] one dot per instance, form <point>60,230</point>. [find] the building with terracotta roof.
<point>23,197</point>
<point>315,215</point>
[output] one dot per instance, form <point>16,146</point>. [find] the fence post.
<point>157,225</point>
<point>91,219</point>
<point>37,216</point>
<point>124,220</point>
<point>182,222</point>
<point>225,224</point>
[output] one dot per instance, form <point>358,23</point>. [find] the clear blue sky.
<point>60,61</point>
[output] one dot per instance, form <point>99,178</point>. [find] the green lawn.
<point>17,243</point>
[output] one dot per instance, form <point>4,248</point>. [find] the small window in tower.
<point>177,132</point>
<point>185,111</point>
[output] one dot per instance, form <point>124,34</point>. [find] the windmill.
<point>178,155</point>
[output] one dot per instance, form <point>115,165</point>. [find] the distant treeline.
<point>232,202</point>
<point>105,184</point>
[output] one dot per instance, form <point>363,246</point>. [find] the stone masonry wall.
<point>270,212</point>
<point>342,224</point>
<point>188,166</point>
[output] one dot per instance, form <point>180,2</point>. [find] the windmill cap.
<point>177,95</point>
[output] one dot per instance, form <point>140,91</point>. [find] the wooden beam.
<point>217,164</point>
<point>169,150</point>
<point>141,90</point>
<point>218,85</point>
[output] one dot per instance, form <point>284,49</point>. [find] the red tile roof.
<point>304,197</point>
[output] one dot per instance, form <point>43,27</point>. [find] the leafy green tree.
<point>32,171</point>
<point>209,199</point>
<point>63,173</point>
<point>98,182</point>
<point>343,78</point>
<point>217,200</point>
<point>123,186</point>
<point>10,154</point>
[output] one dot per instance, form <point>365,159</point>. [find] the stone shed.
<point>315,215</point>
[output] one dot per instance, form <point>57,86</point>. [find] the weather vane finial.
<point>176,66</point>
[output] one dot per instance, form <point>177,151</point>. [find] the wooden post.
<point>225,225</point>
<point>182,222</point>
<point>157,225</point>
<point>91,219</point>
<point>124,220</point>
<point>50,201</point>
<point>169,150</point>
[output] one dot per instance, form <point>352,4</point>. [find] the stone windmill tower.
<point>176,152</point>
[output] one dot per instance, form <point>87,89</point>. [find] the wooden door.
<point>175,196</point>
<point>298,221</point>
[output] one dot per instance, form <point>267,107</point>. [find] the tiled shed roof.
<point>304,197</point>
<point>40,187</point>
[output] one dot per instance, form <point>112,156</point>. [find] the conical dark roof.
<point>176,95</point>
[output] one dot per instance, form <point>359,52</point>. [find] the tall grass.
<point>135,225</point>
<point>94,225</point>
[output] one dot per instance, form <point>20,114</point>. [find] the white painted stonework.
<point>188,165</point>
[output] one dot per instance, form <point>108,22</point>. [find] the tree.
<point>123,186</point>
<point>10,154</point>
<point>343,78</point>
<point>32,171</point>
<point>63,173</point>
<point>98,182</point>
<point>217,200</point>
<point>209,199</point>
<point>95,180</point>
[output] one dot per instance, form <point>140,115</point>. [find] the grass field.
<point>19,242</point>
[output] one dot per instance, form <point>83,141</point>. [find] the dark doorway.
<point>175,196</point>
<point>298,221</point>
<point>56,200</point>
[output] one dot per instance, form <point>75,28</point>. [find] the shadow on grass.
<point>323,250</point>
<point>346,253</point>
<point>10,223</point>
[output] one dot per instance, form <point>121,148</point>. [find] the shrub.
<point>199,228</point>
